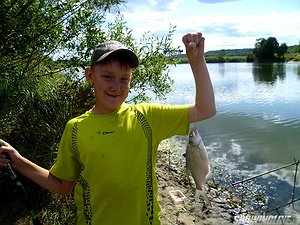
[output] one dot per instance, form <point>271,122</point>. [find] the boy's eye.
<point>107,77</point>
<point>125,79</point>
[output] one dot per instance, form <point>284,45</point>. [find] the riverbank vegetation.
<point>292,54</point>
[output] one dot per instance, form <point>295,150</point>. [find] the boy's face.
<point>111,83</point>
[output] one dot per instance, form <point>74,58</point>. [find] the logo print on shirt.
<point>106,132</point>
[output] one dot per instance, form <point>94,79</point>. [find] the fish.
<point>197,162</point>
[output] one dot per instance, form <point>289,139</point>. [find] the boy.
<point>108,154</point>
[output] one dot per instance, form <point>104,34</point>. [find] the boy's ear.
<point>89,75</point>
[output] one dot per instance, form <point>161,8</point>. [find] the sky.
<point>225,24</point>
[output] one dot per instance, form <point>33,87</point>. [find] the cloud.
<point>241,31</point>
<point>164,5</point>
<point>150,15</point>
<point>221,30</point>
<point>226,29</point>
<point>151,5</point>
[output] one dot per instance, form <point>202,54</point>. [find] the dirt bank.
<point>171,176</point>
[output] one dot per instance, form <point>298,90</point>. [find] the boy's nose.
<point>116,86</point>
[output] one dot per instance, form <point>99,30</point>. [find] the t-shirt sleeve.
<point>67,166</point>
<point>170,120</point>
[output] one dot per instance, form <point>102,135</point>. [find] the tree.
<point>296,49</point>
<point>266,48</point>
<point>33,88</point>
<point>44,46</point>
<point>33,31</point>
<point>281,50</point>
<point>221,56</point>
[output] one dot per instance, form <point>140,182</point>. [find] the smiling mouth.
<point>112,96</point>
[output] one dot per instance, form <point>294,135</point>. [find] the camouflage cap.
<point>106,48</point>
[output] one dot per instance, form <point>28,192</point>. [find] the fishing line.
<point>23,195</point>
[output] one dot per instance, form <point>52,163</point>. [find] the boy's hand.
<point>194,44</point>
<point>5,151</point>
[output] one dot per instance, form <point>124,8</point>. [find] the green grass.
<point>295,57</point>
<point>60,210</point>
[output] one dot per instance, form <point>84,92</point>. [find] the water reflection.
<point>269,72</point>
<point>297,70</point>
<point>222,68</point>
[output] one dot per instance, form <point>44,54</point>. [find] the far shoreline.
<point>289,57</point>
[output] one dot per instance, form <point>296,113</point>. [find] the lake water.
<point>257,126</point>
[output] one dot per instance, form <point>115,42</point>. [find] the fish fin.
<point>201,193</point>
<point>188,176</point>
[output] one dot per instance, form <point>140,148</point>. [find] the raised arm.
<point>204,106</point>
<point>32,171</point>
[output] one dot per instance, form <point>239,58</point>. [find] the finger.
<point>189,41</point>
<point>199,34</point>
<point>2,142</point>
<point>3,148</point>
<point>188,38</point>
<point>3,160</point>
<point>201,42</point>
<point>195,38</point>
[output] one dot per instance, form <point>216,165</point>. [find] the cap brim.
<point>134,61</point>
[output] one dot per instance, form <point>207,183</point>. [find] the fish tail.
<point>202,194</point>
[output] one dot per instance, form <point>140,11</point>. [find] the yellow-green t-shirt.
<point>112,157</point>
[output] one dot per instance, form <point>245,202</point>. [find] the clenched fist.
<point>194,44</point>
